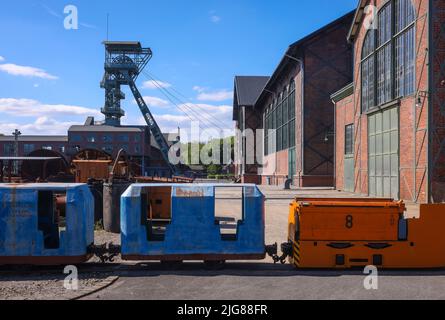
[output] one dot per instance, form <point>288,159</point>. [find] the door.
<point>349,159</point>
<point>383,153</point>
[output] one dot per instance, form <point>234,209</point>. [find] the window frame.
<point>349,147</point>
<point>280,116</point>
<point>387,84</point>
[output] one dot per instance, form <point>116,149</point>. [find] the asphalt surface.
<point>262,280</point>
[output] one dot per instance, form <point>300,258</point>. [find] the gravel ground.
<point>45,285</point>
<point>33,283</point>
<point>102,237</point>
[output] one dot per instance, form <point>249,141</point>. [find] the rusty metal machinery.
<point>173,179</point>
<point>99,165</point>
<point>45,171</point>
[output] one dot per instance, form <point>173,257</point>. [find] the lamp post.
<point>16,135</point>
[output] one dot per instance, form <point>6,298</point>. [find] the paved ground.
<point>263,279</point>
<point>265,282</point>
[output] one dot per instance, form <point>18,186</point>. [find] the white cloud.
<point>34,108</point>
<point>217,96</point>
<point>172,118</point>
<point>154,102</point>
<point>2,59</point>
<point>151,84</point>
<point>215,19</point>
<point>208,116</point>
<point>42,126</point>
<point>199,89</point>
<point>25,71</point>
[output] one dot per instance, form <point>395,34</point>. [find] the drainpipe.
<point>430,104</point>
<point>275,180</point>
<point>301,63</point>
<point>335,145</point>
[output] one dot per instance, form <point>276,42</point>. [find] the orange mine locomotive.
<point>346,233</point>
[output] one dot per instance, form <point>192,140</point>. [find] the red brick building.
<point>28,144</point>
<point>295,110</point>
<point>137,141</point>
<point>390,122</point>
<point>246,92</point>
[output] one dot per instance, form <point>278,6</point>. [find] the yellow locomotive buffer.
<point>346,233</point>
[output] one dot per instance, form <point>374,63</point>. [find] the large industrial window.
<point>123,138</point>
<point>107,138</point>
<point>8,149</point>
<point>280,116</point>
<point>388,55</point>
<point>349,139</point>
<point>28,148</point>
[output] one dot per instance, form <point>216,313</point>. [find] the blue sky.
<point>49,76</point>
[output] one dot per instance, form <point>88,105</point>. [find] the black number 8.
<point>349,222</point>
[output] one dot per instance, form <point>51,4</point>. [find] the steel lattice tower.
<point>124,61</point>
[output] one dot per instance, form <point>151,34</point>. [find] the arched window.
<point>388,55</point>
<point>368,71</point>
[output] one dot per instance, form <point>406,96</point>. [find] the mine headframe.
<point>124,61</point>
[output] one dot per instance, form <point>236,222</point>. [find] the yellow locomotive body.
<point>346,233</point>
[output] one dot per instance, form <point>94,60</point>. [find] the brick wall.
<point>412,120</point>
<point>327,61</point>
<point>328,68</point>
<point>344,117</point>
<point>437,96</point>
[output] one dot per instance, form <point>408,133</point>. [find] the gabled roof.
<point>293,51</point>
<point>343,93</point>
<point>359,14</point>
<point>247,90</point>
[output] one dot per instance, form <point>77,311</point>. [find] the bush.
<point>214,169</point>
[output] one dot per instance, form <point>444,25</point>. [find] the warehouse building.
<point>390,122</point>
<point>295,110</point>
<point>28,144</point>
<point>246,92</point>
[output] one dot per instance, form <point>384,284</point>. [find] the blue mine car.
<point>175,222</point>
<point>45,224</point>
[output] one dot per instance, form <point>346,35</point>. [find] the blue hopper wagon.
<point>45,224</point>
<point>175,222</point>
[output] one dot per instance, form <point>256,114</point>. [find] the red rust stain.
<point>184,193</point>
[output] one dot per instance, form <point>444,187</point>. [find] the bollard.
<point>112,205</point>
